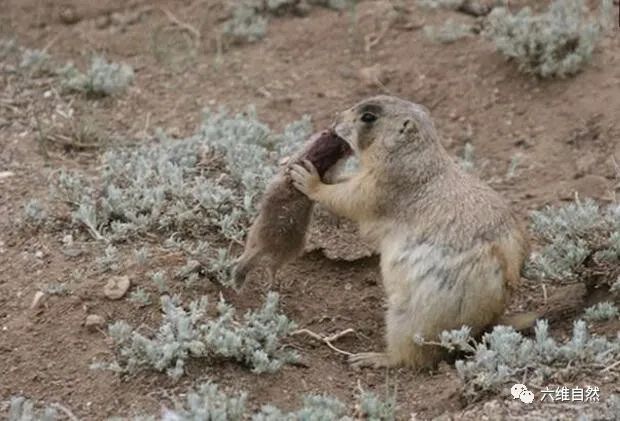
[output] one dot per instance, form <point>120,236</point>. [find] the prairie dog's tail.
<point>520,321</point>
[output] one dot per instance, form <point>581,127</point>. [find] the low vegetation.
<point>558,42</point>
<point>581,243</point>
<point>249,18</point>
<point>504,356</point>
<point>255,341</point>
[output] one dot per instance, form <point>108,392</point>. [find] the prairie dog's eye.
<point>368,117</point>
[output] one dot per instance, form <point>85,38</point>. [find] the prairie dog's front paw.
<point>305,178</point>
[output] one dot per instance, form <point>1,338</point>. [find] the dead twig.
<point>612,366</point>
<point>68,142</point>
<point>438,101</point>
<point>327,340</point>
<point>66,411</point>
<point>371,40</point>
<point>184,25</point>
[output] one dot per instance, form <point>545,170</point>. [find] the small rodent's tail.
<point>520,321</point>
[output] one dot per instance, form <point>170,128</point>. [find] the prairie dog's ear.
<point>405,126</point>
<point>406,130</point>
<point>409,132</point>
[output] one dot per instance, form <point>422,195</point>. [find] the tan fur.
<point>451,249</point>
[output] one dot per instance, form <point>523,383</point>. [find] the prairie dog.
<point>451,249</point>
<point>278,232</point>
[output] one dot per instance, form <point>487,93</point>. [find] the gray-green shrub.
<point>505,356</point>
<point>600,312</point>
<point>103,78</point>
<point>558,42</point>
<point>23,409</point>
<point>581,243</point>
<point>205,184</point>
<point>254,341</point>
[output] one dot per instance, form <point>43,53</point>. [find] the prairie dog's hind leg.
<point>371,359</point>
<point>403,350</point>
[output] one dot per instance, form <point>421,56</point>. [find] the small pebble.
<point>94,321</point>
<point>37,300</point>
<point>116,287</point>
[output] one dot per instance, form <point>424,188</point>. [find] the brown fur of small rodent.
<point>451,248</point>
<point>278,233</point>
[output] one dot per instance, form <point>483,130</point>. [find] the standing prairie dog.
<point>451,249</point>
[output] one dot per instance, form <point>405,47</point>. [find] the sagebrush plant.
<point>449,32</point>
<point>558,42</point>
<point>315,407</point>
<point>141,256</point>
<point>581,243</point>
<point>249,18</point>
<point>436,4</point>
<point>103,78</point>
<point>455,4</point>
<point>36,62</point>
<point>254,340</point>
<point>468,159</point>
<point>209,402</point>
<point>159,279</point>
<point>373,408</point>
<point>56,288</point>
<point>140,297</point>
<point>513,167</point>
<point>205,184</point>
<point>8,47</point>
<point>34,213</point>
<point>24,409</point>
<point>505,356</point>
<point>247,23</point>
<point>601,311</point>
<point>110,260</point>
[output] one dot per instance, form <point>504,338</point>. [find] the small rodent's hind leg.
<point>272,271</point>
<point>244,265</point>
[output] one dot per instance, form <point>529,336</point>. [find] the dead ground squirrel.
<point>278,233</point>
<point>451,249</point>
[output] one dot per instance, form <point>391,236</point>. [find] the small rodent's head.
<point>384,125</point>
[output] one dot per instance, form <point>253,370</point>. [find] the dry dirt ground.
<point>565,132</point>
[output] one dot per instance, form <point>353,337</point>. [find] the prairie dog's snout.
<point>344,127</point>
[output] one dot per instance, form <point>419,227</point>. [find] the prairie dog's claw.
<point>305,178</point>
